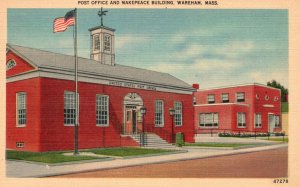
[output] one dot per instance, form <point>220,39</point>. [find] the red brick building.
<point>40,95</point>
<point>241,108</point>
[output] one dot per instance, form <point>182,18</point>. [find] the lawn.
<point>58,157</point>
<point>128,151</point>
<point>212,144</point>
<point>279,139</point>
<point>45,157</point>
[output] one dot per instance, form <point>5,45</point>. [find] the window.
<point>225,98</point>
<point>96,42</point>
<point>240,97</point>
<point>210,98</point>
<point>277,121</point>
<point>194,100</point>
<point>267,97</point>
<point>10,64</point>
<point>69,108</point>
<point>178,114</point>
<point>21,109</point>
<point>159,113</point>
<point>241,120</point>
<point>209,120</point>
<point>106,42</point>
<point>20,144</point>
<point>257,120</point>
<point>257,96</point>
<point>102,110</point>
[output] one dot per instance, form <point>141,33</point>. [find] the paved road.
<point>263,164</point>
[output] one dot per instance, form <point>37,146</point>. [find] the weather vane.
<point>102,13</point>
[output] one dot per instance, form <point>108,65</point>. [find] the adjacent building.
<point>241,108</point>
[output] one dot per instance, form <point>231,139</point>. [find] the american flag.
<point>61,24</point>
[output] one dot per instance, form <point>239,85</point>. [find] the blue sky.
<point>209,47</point>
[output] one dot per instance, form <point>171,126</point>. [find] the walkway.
<point>23,169</point>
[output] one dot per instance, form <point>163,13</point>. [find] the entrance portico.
<point>132,120</point>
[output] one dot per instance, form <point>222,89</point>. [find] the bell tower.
<point>102,43</point>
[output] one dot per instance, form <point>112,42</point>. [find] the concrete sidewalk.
<point>23,169</point>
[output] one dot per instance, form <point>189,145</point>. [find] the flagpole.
<point>76,88</point>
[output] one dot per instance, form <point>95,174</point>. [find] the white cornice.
<point>222,104</point>
<point>238,85</point>
<point>83,77</point>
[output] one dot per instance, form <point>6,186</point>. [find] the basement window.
<point>20,144</point>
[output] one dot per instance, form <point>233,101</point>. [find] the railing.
<point>240,133</point>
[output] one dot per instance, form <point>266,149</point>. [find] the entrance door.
<point>271,122</point>
<point>134,121</point>
<point>130,120</point>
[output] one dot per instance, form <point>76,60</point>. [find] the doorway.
<point>271,122</point>
<point>130,120</point>
<point>132,115</point>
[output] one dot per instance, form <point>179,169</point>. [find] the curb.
<point>156,162</point>
<point>156,154</point>
<point>64,163</point>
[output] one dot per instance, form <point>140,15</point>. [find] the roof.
<point>102,27</point>
<point>45,59</point>
<point>239,85</point>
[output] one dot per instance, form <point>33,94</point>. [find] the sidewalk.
<point>23,169</point>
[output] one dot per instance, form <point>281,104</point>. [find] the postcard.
<point>147,93</point>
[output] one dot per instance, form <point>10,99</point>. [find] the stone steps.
<point>153,141</point>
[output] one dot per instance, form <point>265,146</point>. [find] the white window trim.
<point>17,111</point>
<point>105,42</point>
<point>72,125</point>
<point>257,127</point>
<point>163,113</point>
<point>222,97</point>
<point>94,43</point>
<point>237,120</point>
<point>205,127</point>
<point>236,96</point>
<point>212,101</point>
<point>20,144</point>
<point>181,124</point>
<point>107,124</point>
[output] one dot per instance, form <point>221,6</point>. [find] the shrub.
<point>279,133</point>
<point>179,139</point>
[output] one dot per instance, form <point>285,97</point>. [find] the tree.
<point>284,91</point>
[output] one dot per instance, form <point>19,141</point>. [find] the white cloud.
<point>235,48</point>
<point>231,50</point>
<point>199,66</point>
<point>123,41</point>
<point>268,75</point>
<point>191,51</point>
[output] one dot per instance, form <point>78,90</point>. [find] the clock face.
<point>107,42</point>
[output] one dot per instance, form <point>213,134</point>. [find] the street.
<point>263,164</point>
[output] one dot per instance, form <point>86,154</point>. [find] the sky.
<point>209,47</point>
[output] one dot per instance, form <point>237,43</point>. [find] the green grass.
<point>45,157</point>
<point>279,139</point>
<point>128,151</point>
<point>284,107</point>
<point>58,157</point>
<point>212,144</point>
